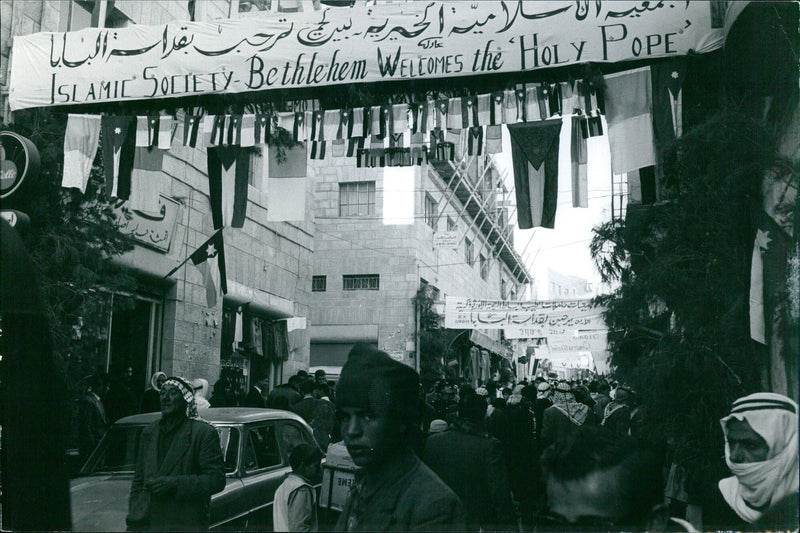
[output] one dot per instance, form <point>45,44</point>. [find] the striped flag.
<point>209,259</point>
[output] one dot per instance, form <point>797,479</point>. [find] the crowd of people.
<point>544,455</point>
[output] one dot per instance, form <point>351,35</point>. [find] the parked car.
<point>255,445</point>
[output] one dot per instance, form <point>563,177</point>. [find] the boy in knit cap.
<point>377,400</point>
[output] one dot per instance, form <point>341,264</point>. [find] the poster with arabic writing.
<point>342,45</point>
<point>564,316</point>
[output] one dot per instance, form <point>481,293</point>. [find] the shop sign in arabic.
<point>562,315</point>
<point>154,230</point>
<point>337,45</point>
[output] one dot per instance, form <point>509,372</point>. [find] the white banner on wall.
<point>342,45</point>
<point>560,315</point>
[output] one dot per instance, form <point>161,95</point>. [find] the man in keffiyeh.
<point>178,468</point>
<point>761,451</point>
<point>564,417</point>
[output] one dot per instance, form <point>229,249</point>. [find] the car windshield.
<point>117,451</point>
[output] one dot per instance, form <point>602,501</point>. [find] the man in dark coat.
<point>319,414</point>
<point>178,468</point>
<point>617,416</point>
<point>471,462</point>
<point>255,396</point>
<point>377,398</point>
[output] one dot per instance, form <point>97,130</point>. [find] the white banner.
<point>343,45</point>
<point>563,315</point>
<point>593,341</point>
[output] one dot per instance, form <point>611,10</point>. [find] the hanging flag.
<point>377,126</point>
<point>475,141</point>
<point>191,127</point>
<point>418,152</point>
<point>469,112</point>
<point>261,128</point>
<point>214,127</point>
<point>317,126</point>
<point>454,120</point>
<point>494,139</point>
<point>399,118</point>
<point>532,111</point>
<point>209,259</point>
<point>337,147</point>
<point>353,145</point>
<point>331,124</point>
<point>286,184</point>
<point>566,97</point>
<point>300,131</point>
<point>456,139</point>
<point>579,160</point>
<point>81,139</point>
<point>520,97</point>
<point>234,133</point>
<point>228,173</point>
<point>317,150</point>
<point>667,89</point>
<point>286,121</point>
<point>543,98</point>
<point>496,108</point>
<point>119,140</point>
<point>595,124</point>
<point>630,123</point>
<point>554,99</point>
<point>247,131</point>
<point>441,113</point>
<point>534,153</point>
<point>145,177</point>
<point>510,115</point>
<point>345,129</point>
<point>165,131</point>
<point>361,122</point>
<point>485,111</point>
<point>419,117</point>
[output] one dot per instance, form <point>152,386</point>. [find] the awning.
<point>488,343</point>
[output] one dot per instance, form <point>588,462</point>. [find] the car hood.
<point>100,503</point>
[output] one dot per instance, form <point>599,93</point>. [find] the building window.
<point>361,282</point>
<point>319,283</point>
<point>451,224</point>
<point>357,198</point>
<point>484,267</point>
<point>469,251</point>
<point>431,211</point>
<point>502,289</point>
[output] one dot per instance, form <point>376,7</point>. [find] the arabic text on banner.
<point>338,45</point>
<point>560,315</point>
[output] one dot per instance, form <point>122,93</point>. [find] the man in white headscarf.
<point>761,451</point>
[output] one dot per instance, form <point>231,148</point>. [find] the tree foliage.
<point>678,320</point>
<point>72,240</point>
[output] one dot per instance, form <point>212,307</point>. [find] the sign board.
<point>152,230</point>
<point>345,45</point>
<point>465,313</point>
<point>19,162</point>
<point>582,341</point>
<point>446,239</point>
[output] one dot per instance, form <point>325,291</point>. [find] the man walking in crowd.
<point>178,468</point>
<point>471,462</point>
<point>92,415</point>
<point>600,397</point>
<point>295,502</point>
<point>617,416</point>
<point>255,396</point>
<point>543,401</point>
<point>290,391</point>
<point>378,406</point>
<point>319,414</point>
<point>761,452</point>
<point>564,417</point>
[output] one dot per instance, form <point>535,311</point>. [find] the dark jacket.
<point>404,496</point>
<point>254,399</point>
<point>471,463</point>
<point>618,418</point>
<point>321,416</point>
<point>194,460</point>
<point>558,427</point>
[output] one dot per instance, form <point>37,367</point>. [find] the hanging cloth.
<point>119,140</point>
<point>630,122</point>
<point>534,152</point>
<point>81,139</point>
<point>579,160</point>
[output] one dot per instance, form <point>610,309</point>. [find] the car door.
<point>229,509</point>
<point>263,470</point>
